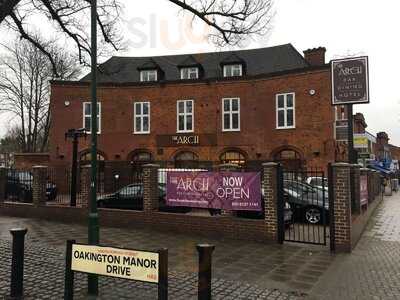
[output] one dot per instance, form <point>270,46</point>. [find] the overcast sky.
<point>344,27</point>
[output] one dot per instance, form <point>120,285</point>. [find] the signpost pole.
<point>93,222</point>
<point>69,274</point>
<point>163,274</point>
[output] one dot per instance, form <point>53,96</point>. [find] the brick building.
<point>237,106</point>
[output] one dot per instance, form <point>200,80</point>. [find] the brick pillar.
<point>150,187</point>
<point>39,174</point>
<point>270,188</point>
<point>356,208</point>
<point>85,186</point>
<point>227,168</point>
<point>3,182</point>
<point>341,207</point>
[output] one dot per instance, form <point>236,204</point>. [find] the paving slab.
<point>372,270</point>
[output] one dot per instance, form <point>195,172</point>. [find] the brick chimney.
<point>382,138</point>
<point>359,123</point>
<point>315,56</point>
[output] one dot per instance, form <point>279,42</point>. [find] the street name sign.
<point>350,81</point>
<point>116,262</point>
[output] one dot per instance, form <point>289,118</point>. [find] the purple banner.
<point>363,190</point>
<point>221,190</point>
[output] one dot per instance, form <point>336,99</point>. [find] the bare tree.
<point>24,88</point>
<point>232,20</point>
<point>70,17</point>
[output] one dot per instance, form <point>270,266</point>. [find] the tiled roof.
<point>258,61</point>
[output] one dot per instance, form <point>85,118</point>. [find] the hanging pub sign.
<point>350,81</point>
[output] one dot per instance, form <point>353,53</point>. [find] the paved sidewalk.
<point>241,268</point>
<point>372,271</point>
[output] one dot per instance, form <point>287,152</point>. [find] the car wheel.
<point>313,215</point>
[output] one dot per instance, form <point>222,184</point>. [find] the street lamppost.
<point>93,218</point>
<point>74,134</point>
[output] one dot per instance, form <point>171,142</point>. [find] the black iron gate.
<point>303,206</point>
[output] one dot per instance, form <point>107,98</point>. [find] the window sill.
<point>281,128</point>
<point>141,133</point>
<point>230,130</point>
<point>186,131</point>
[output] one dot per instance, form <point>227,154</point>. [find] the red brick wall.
<point>28,160</point>
<point>313,135</point>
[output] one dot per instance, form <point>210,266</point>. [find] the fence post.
<point>150,187</point>
<point>69,274</point>
<point>204,282</point>
<point>163,274</point>
<point>17,262</point>
<point>85,185</point>
<point>3,182</point>
<point>39,174</point>
<point>270,188</point>
<point>227,168</point>
<point>341,223</point>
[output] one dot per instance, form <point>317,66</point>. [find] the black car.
<point>19,187</point>
<point>309,203</point>
<point>287,212</point>
<point>128,197</point>
<point>131,197</point>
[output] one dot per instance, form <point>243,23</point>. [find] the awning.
<point>380,169</point>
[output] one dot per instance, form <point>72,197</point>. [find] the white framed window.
<point>184,116</point>
<point>148,75</point>
<point>87,117</point>
<point>230,114</point>
<point>233,70</point>
<point>285,111</point>
<point>190,73</point>
<point>141,117</point>
<point>341,124</point>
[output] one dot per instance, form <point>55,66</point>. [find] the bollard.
<point>17,263</point>
<point>69,274</point>
<point>204,283</point>
<point>163,274</point>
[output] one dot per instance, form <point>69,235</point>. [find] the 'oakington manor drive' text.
<point>116,259</point>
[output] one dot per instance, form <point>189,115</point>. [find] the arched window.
<point>87,157</point>
<point>233,157</point>
<point>141,156</point>
<point>289,158</point>
<point>138,159</point>
<point>186,160</point>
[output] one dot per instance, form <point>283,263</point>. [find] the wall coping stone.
<point>39,167</point>
<point>269,164</point>
<point>228,165</point>
<point>341,165</point>
<point>151,166</point>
